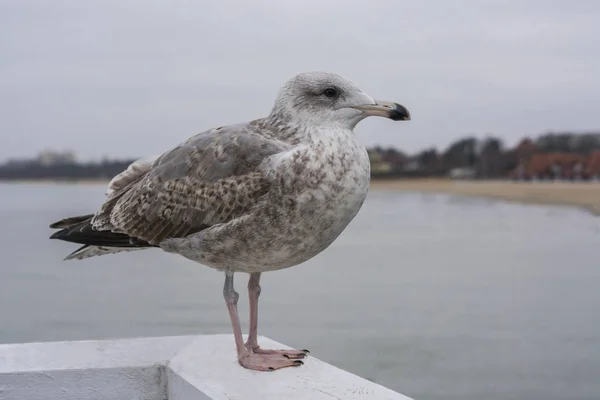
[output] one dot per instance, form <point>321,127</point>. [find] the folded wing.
<point>212,178</point>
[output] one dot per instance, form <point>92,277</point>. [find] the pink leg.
<point>247,357</point>
<point>252,342</point>
<point>253,294</point>
<point>231,299</point>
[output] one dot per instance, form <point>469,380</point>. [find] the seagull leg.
<point>252,342</point>
<point>231,299</point>
<point>247,357</point>
<point>253,294</point>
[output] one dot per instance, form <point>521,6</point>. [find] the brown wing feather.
<point>117,187</point>
<point>210,179</point>
<point>180,207</point>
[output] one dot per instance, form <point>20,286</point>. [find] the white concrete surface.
<point>167,368</point>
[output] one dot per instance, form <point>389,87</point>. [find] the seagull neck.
<point>330,136</point>
<point>295,131</point>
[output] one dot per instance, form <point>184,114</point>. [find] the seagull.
<point>252,197</point>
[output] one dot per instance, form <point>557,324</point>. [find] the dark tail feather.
<point>71,221</point>
<point>79,230</point>
<point>85,246</point>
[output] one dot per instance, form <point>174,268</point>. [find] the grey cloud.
<point>128,78</point>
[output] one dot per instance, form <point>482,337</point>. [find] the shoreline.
<point>583,195</point>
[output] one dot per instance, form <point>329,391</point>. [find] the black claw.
<point>286,356</point>
<point>306,351</point>
<point>298,362</point>
<point>271,369</point>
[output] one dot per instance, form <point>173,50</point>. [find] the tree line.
<point>488,157</point>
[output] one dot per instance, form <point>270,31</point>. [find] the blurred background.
<point>470,273</point>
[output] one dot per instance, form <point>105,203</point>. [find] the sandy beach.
<point>584,195</point>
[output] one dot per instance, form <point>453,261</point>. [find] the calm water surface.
<point>434,296</point>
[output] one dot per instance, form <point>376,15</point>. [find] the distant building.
<point>462,173</point>
<point>48,158</point>
<point>559,165</point>
<point>413,164</point>
<point>378,165</point>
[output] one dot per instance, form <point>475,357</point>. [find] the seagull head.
<point>326,99</point>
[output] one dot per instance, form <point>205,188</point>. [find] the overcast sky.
<point>127,78</point>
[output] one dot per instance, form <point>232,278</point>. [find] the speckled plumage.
<point>253,197</point>
<point>257,196</point>
<point>238,198</point>
<point>304,198</point>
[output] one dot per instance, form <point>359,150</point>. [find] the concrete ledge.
<point>173,368</point>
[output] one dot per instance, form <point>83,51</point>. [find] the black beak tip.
<point>399,113</point>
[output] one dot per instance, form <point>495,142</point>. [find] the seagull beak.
<point>393,111</point>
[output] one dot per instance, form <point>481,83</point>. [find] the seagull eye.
<point>330,92</point>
